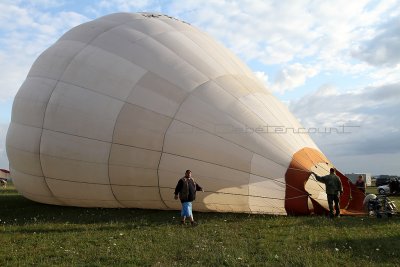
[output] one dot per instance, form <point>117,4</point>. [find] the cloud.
<point>363,122</point>
<point>263,77</point>
<point>287,78</point>
<point>291,43</point>
<point>26,32</point>
<point>384,75</point>
<point>275,32</point>
<point>43,4</point>
<point>12,75</point>
<point>293,76</point>
<point>383,48</point>
<point>260,30</point>
<point>128,5</point>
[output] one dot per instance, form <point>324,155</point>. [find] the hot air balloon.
<point>115,111</point>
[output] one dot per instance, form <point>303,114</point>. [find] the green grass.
<point>44,235</point>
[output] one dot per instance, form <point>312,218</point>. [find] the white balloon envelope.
<point>118,108</point>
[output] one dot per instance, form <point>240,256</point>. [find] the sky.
<point>335,64</point>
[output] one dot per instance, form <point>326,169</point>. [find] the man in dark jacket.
<point>333,190</point>
<point>360,184</point>
<point>186,189</point>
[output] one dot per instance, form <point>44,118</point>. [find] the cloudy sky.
<point>336,64</point>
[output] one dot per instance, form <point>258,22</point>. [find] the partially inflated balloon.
<point>118,108</point>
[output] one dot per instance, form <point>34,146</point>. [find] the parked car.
<point>383,189</point>
<point>392,188</point>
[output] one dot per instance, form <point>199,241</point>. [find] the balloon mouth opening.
<point>306,196</point>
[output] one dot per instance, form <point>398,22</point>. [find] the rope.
<point>244,195</point>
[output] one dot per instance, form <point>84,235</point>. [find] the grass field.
<point>44,235</point>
